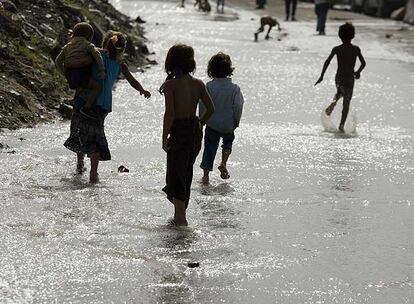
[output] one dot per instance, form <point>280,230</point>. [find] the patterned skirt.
<point>86,135</point>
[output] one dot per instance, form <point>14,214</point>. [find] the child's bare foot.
<point>341,129</point>
<point>93,178</point>
<point>224,174</point>
<point>330,108</point>
<point>205,180</point>
<point>177,223</point>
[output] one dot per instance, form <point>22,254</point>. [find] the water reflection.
<point>172,286</point>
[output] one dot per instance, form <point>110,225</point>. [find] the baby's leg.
<point>95,89</point>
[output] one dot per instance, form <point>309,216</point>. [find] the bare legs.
<point>93,175</point>
<point>80,167</point>
<point>179,213</point>
<point>347,96</point>
<point>224,173</point>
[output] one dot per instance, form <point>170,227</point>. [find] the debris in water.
<point>123,169</point>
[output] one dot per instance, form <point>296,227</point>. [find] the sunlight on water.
<point>308,216</point>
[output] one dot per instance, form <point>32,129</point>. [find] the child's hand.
<point>357,75</point>
<point>102,75</point>
<point>319,80</point>
<point>145,93</point>
<point>165,145</point>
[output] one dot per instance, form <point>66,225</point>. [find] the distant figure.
<point>290,13</point>
<point>203,5</point>
<point>321,10</point>
<point>182,129</point>
<point>87,136</point>
<point>220,2</point>
<point>182,3</point>
<point>260,4</point>
<point>81,78</point>
<point>228,104</point>
<point>346,54</point>
<point>266,20</point>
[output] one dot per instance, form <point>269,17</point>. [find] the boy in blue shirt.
<point>228,103</point>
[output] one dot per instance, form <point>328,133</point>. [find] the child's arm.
<point>362,66</point>
<point>168,115</point>
<point>208,103</point>
<point>133,82</point>
<point>98,59</point>
<point>325,65</point>
<point>238,107</point>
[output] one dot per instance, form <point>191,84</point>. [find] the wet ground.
<point>308,216</point>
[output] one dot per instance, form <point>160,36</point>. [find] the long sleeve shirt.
<point>76,48</point>
<point>228,104</point>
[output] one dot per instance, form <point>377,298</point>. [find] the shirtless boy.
<point>266,20</point>
<point>346,54</point>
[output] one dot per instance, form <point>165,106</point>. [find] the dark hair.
<point>114,43</point>
<point>346,32</point>
<point>219,66</point>
<point>180,57</point>
<point>83,29</point>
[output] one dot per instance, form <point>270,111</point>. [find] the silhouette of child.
<point>228,103</point>
<point>80,46</point>
<point>266,20</point>
<point>182,129</point>
<point>346,54</point>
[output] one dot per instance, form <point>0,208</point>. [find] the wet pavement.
<point>308,216</point>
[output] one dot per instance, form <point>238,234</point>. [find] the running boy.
<point>81,78</point>
<point>266,20</point>
<point>228,103</point>
<point>346,54</point>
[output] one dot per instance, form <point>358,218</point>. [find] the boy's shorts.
<point>79,78</point>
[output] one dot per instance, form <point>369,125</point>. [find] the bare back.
<point>186,92</point>
<point>346,55</point>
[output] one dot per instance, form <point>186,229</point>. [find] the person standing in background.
<point>260,4</point>
<point>290,13</point>
<point>321,11</point>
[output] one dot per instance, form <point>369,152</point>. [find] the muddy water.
<point>308,216</point>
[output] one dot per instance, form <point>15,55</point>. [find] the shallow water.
<point>308,216</point>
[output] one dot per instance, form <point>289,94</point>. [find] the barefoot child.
<point>346,54</point>
<point>228,103</point>
<point>266,20</point>
<point>81,78</point>
<point>88,136</point>
<point>182,129</point>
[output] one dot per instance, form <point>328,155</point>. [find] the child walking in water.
<point>182,129</point>
<point>228,103</point>
<point>346,54</point>
<point>81,78</point>
<point>88,136</point>
<point>266,20</point>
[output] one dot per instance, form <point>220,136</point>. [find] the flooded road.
<point>308,216</point>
